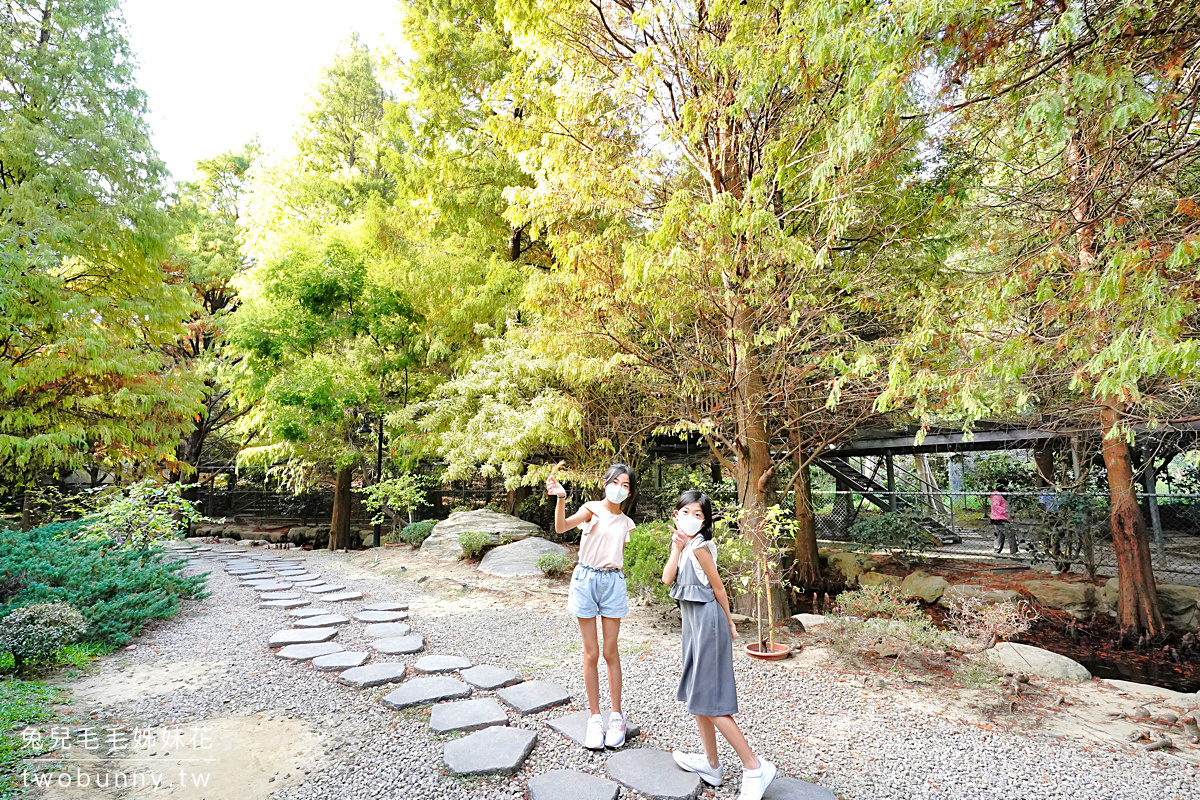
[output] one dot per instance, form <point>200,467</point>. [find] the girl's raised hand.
<point>679,539</point>
<point>553,487</point>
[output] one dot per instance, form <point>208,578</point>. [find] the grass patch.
<point>22,704</point>
<point>976,673</point>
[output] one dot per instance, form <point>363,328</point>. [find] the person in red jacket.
<point>998,514</point>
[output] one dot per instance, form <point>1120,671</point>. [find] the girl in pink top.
<point>598,590</point>
<point>998,513</point>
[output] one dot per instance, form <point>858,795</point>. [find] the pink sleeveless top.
<point>604,537</point>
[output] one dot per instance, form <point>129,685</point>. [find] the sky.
<point>220,72</point>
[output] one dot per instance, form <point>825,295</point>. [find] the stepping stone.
<point>423,691</point>
<point>567,784</point>
<point>488,677</point>
<point>303,652</point>
<point>574,726</point>
<point>269,586</point>
<point>373,675</point>
<point>341,597</point>
<point>294,636</point>
<point>381,616</point>
<point>325,588</point>
<point>653,773</point>
<point>386,607</point>
<point>296,577</point>
<point>309,612</point>
<point>792,789</point>
<point>467,715</point>
<point>284,603</point>
<point>385,629</point>
<point>497,750</point>
<point>431,664</point>
<point>285,595</point>
<point>394,645</point>
<point>534,696</point>
<point>320,621</point>
<point>336,662</point>
<point>310,582</point>
<point>257,576</point>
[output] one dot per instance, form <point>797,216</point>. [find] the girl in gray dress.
<point>707,685</point>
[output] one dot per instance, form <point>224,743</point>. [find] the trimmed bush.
<point>416,533</point>
<point>473,543</point>
<point>646,554</point>
<point>555,565</point>
<point>117,590</point>
<point>34,633</point>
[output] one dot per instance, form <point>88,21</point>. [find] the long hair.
<point>614,472</point>
<point>697,496</point>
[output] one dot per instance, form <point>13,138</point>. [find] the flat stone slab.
<point>318,581</point>
<point>325,588</point>
<point>432,664</point>
<point>295,636</point>
<point>567,784</point>
<point>519,559</point>
<point>256,576</point>
<point>423,691</point>
<point>373,674</point>
<point>296,577</point>
<point>792,789</point>
<point>309,612</point>
<point>269,586</point>
<point>574,726</point>
<point>394,645</point>
<point>321,621</point>
<point>280,596</point>
<point>488,677</point>
<point>653,773</point>
<point>386,629</point>
<point>341,597</point>
<point>290,603</point>
<point>491,751</point>
<point>534,696</point>
<point>303,652</point>
<point>381,616</point>
<point>467,715</point>
<point>336,662</point>
<point>386,607</point>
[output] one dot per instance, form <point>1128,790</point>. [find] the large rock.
<point>962,591</point>
<point>1036,661</point>
<point>519,559</point>
<point>443,541</point>
<point>878,579</point>
<point>1180,604</point>
<point>1077,599</point>
<point>850,565</point>
<point>922,585</point>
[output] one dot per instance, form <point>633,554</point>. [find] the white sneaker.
<point>692,762</point>
<point>756,781</point>
<point>594,738</point>
<point>615,737</point>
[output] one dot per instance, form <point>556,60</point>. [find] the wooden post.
<point>1150,483</point>
<point>891,482</point>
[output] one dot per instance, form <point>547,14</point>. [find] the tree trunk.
<point>1043,459</point>
<point>339,526</point>
<point>807,566</point>
<point>26,510</point>
<point>1137,605</point>
<point>515,498</point>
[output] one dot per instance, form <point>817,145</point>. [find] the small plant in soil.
<point>988,623</point>
<point>473,543</point>
<point>555,565</point>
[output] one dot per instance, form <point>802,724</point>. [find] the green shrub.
<point>887,531</point>
<point>555,565</point>
<point>646,553</point>
<point>416,533</point>
<point>117,590</point>
<point>23,703</point>
<point>33,633</point>
<point>463,507</point>
<point>882,601</point>
<point>473,543</point>
<point>138,516</point>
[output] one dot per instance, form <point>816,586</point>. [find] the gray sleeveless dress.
<point>707,684</point>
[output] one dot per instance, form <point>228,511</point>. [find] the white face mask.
<point>687,524</point>
<point>616,493</point>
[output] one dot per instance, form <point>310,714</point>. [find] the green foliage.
<point>139,516</point>
<point>400,495</point>
<point>883,601</point>
<point>473,543</point>
<point>888,531</point>
<point>999,471</point>
<point>646,554</point>
<point>118,591</point>
<point>35,632</point>
<point>22,704</point>
<point>876,619</point>
<point>555,565</point>
<point>676,480</point>
<point>416,533</point>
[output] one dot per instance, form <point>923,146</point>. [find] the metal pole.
<point>891,479</point>
<point>376,528</point>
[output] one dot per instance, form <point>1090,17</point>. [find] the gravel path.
<point>858,743</point>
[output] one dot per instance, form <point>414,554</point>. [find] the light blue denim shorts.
<point>595,593</point>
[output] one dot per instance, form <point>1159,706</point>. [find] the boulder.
<point>519,559</point>
<point>1180,604</point>
<point>1077,599</point>
<point>443,540</point>
<point>924,586</point>
<point>878,579</point>
<point>962,591</point>
<point>850,566</point>
<point>1106,599</point>
<point>1036,661</point>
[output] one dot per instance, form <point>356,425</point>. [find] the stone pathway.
<point>447,682</point>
